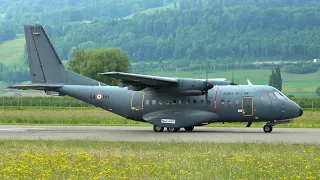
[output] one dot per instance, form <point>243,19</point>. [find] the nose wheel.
<point>267,128</point>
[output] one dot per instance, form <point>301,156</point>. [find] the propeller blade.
<point>232,76</point>
<point>232,82</point>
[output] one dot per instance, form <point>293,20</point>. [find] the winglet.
<point>249,82</point>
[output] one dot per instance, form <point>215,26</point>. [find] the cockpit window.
<point>272,96</point>
<point>265,97</point>
<point>280,95</point>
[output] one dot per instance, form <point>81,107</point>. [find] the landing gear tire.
<point>173,129</point>
<point>267,129</point>
<point>189,129</point>
<point>158,128</point>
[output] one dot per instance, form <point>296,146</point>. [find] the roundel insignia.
<point>99,96</point>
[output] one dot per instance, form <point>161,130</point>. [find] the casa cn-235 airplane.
<point>171,103</point>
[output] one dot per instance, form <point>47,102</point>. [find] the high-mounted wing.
<point>142,80</point>
<point>185,86</point>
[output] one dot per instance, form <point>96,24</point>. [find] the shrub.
<point>304,69</point>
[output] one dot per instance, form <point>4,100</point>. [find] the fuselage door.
<point>247,106</point>
<point>137,101</point>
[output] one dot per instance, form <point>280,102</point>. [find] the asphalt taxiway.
<point>146,134</point>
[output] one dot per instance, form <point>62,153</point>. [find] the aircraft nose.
<point>300,112</point>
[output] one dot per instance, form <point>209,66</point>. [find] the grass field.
<point>11,52</point>
<point>300,85</point>
<point>170,160</point>
<point>95,116</point>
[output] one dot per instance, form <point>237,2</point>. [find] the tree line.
<point>222,30</point>
<point>229,31</point>
<point>301,69</point>
<point>13,75</point>
<point>6,32</point>
<point>61,12</point>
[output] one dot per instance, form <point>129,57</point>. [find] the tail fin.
<point>45,64</point>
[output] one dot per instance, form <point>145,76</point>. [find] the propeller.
<point>232,82</point>
<point>207,85</point>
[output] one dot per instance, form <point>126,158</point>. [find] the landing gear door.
<point>247,106</point>
<point>137,101</point>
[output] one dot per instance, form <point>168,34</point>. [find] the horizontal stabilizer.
<point>45,87</point>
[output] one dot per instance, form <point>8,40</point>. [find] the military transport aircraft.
<point>171,103</point>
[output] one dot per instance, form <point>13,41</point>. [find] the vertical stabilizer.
<point>45,64</point>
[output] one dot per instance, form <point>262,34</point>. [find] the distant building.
<point>316,60</point>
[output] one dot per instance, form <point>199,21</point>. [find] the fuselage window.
<point>167,102</point>
<point>154,102</point>
<point>222,101</point>
<point>147,102</point>
<point>180,102</point>
<point>236,101</point>
<point>272,96</point>
<point>194,101</point>
<point>188,101</point>
<point>201,101</point>
<point>208,102</point>
<point>229,101</point>
<point>160,102</point>
<point>174,102</point>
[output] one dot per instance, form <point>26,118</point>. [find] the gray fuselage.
<point>242,103</point>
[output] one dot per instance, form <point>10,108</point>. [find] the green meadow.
<point>11,52</point>
<point>157,160</point>
<point>299,85</point>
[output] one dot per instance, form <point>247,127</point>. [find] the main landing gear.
<point>169,129</point>
<point>158,128</point>
<point>173,129</point>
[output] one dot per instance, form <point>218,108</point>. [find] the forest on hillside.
<point>221,30</point>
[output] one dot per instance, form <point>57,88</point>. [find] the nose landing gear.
<point>269,126</point>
